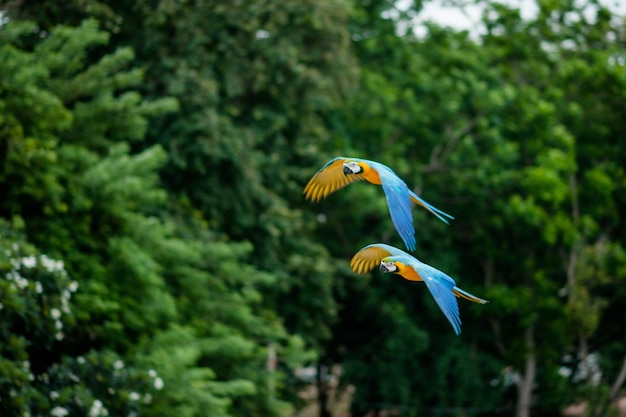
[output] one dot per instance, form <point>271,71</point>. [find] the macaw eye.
<point>388,266</point>
<point>352,167</point>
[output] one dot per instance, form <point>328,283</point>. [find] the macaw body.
<point>394,260</point>
<point>341,171</point>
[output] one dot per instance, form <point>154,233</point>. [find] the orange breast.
<point>409,273</point>
<point>371,176</point>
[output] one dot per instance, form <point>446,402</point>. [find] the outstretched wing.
<point>370,256</point>
<point>399,203</point>
<point>441,287</point>
<point>329,179</point>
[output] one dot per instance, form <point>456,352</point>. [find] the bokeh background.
<point>157,257</point>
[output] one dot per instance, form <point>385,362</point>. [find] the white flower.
<point>97,409</point>
<point>59,412</point>
<point>262,34</point>
<point>54,395</point>
<point>22,283</point>
<point>73,286</point>
<point>133,396</point>
<point>147,398</point>
<point>29,261</point>
<point>158,383</point>
<point>152,373</point>
<point>118,364</point>
<point>55,313</point>
<point>65,305</point>
<point>80,360</point>
<point>38,287</point>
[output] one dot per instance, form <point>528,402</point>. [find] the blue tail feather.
<point>433,209</point>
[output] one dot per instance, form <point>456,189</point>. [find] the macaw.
<point>393,260</point>
<point>341,171</point>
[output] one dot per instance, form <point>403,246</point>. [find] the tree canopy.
<point>158,258</point>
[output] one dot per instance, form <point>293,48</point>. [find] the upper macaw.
<point>441,286</point>
<point>341,171</point>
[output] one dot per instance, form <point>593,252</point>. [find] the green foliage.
<point>79,191</point>
<point>159,150</point>
<point>493,130</point>
<point>39,375</point>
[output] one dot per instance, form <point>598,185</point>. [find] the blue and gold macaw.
<point>393,260</point>
<point>341,171</point>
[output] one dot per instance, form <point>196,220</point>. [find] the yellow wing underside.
<point>367,259</point>
<point>469,297</point>
<point>328,180</point>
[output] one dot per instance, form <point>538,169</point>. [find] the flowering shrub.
<point>98,384</point>
<point>35,293</point>
<point>40,374</point>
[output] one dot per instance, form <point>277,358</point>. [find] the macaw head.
<point>389,265</point>
<point>353,168</point>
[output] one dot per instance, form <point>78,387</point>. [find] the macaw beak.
<point>346,170</point>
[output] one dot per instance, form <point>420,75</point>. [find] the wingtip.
<point>410,246</point>
<point>358,266</point>
<point>443,219</point>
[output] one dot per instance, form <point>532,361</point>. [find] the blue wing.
<point>399,203</point>
<point>440,286</point>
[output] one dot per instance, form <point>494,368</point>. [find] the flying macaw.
<point>341,171</point>
<point>393,260</point>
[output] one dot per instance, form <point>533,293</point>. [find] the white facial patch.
<point>388,266</point>
<point>354,167</point>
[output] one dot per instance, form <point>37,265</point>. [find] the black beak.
<point>347,171</point>
<point>383,268</point>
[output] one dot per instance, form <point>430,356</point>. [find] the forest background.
<point>157,257</point>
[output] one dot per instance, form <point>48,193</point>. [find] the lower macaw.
<point>341,171</point>
<point>393,260</point>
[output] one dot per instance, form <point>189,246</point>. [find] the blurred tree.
<point>507,150</point>
<point>257,84</point>
<point>38,373</point>
<point>77,191</point>
<point>515,131</point>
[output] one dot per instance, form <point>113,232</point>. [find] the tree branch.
<point>441,152</point>
<point>619,380</point>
